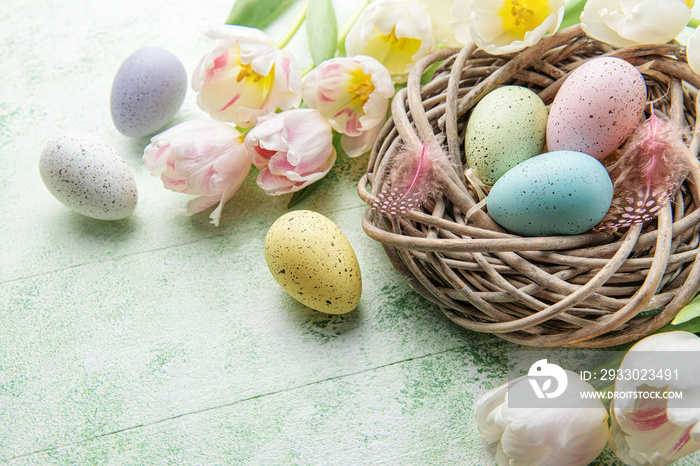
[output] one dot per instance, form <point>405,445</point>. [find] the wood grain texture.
<point>161,339</point>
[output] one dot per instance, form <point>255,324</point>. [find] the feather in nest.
<point>414,177</point>
<point>649,170</point>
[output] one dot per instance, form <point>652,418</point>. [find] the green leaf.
<point>428,74</point>
<point>340,152</point>
<point>321,30</point>
<point>257,13</point>
<point>572,13</point>
<point>690,312</point>
<point>302,194</point>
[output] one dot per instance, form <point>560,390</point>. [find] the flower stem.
<point>348,25</point>
<point>295,27</point>
<point>694,23</point>
<point>307,70</point>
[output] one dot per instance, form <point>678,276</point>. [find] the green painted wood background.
<point>161,339</point>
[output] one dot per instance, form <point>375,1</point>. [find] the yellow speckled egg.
<point>313,261</point>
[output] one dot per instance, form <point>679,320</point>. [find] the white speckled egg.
<point>313,261</point>
<point>597,108</point>
<point>88,176</point>
<point>507,126</point>
<point>147,91</point>
<point>556,193</point>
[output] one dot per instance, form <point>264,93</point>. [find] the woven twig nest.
<point>596,289</point>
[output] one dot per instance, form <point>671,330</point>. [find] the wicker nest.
<point>596,289</point>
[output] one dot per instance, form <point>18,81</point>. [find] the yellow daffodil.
<point>507,26</point>
<point>624,23</point>
<point>394,32</point>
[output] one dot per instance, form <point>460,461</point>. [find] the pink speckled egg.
<point>597,107</point>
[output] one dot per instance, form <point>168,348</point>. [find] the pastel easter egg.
<point>597,108</point>
<point>147,91</point>
<point>313,261</point>
<point>556,193</point>
<point>507,126</point>
<point>88,176</point>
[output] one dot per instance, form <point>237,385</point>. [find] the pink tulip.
<point>292,149</point>
<point>201,157</point>
<point>245,77</point>
<point>648,429</point>
<point>353,94</point>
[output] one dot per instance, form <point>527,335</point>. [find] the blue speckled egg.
<point>556,193</point>
<point>147,91</point>
<point>88,176</point>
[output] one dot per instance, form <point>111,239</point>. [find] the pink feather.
<point>414,178</point>
<point>652,164</point>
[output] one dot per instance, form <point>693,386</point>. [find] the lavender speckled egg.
<point>147,91</point>
<point>556,193</point>
<point>597,107</point>
<point>506,127</point>
<point>88,176</point>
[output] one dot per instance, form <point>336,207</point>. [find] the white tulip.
<point>507,26</point>
<point>571,430</point>
<point>442,19</point>
<point>394,32</point>
<point>624,23</point>
<point>461,20</point>
<point>693,51</point>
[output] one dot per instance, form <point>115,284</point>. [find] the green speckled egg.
<point>313,261</point>
<point>506,127</point>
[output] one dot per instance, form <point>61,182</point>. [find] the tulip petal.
<point>358,145</point>
<point>648,429</point>
<point>624,23</point>
<point>395,32</point>
<point>461,20</point>
<point>572,431</point>
<point>352,93</point>
<point>693,51</point>
<point>245,77</point>
<point>486,407</point>
<point>440,14</point>
<point>276,185</point>
<point>201,203</point>
<point>293,149</point>
<point>201,157</point>
<point>595,26</point>
<point>505,27</point>
<point>650,21</point>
